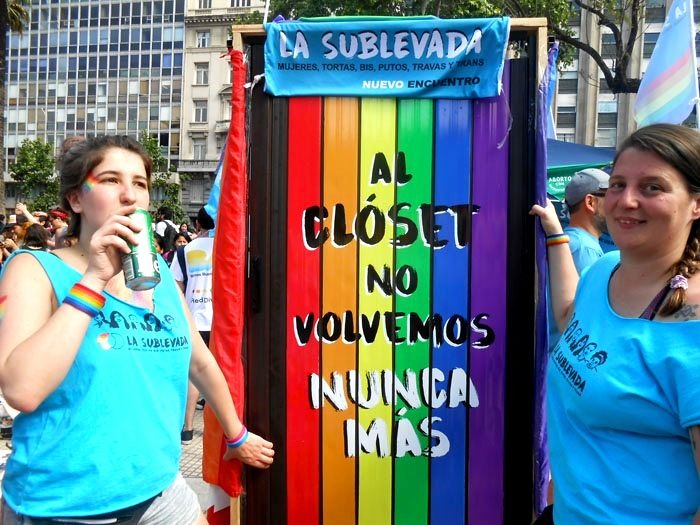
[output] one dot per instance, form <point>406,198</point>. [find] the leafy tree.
<point>160,178</point>
<point>309,8</point>
<point>622,17</point>
<point>255,17</point>
<point>13,16</point>
<point>34,169</point>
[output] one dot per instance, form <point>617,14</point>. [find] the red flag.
<point>219,513</point>
<point>229,266</point>
<point>222,517</point>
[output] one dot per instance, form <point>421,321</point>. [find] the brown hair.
<point>81,157</point>
<point>679,147</point>
<point>36,237</point>
<point>23,225</point>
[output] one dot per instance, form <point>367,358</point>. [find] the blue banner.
<point>389,57</point>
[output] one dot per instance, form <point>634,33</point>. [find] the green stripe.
<point>415,140</point>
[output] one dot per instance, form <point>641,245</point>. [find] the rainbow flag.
<point>669,88</point>
<point>396,215</point>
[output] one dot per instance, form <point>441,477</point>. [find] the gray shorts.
<point>177,505</point>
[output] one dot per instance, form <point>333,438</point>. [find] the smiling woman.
<point>623,435</point>
<point>70,371</point>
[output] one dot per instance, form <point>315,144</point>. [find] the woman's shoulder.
<point>24,266</point>
<point>29,261</point>
<point>602,267</point>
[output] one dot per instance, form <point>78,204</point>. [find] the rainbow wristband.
<point>557,238</point>
<point>84,299</point>
<point>241,438</point>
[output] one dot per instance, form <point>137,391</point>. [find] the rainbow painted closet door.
<point>387,313</point>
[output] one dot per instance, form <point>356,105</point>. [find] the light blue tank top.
<point>109,436</point>
<point>621,396</point>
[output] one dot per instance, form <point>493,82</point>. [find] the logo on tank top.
<point>576,355</point>
<point>138,333</point>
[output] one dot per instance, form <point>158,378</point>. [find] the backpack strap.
<point>183,264</point>
<point>653,307</point>
<point>655,304</point>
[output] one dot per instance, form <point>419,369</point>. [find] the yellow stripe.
<point>667,91</point>
<point>377,135</point>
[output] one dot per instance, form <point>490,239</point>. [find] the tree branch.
<point>586,48</point>
<point>604,20</point>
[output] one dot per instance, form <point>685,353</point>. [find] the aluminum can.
<point>141,270</point>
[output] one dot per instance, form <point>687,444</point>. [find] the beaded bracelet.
<point>84,299</point>
<point>241,438</point>
<point>557,238</point>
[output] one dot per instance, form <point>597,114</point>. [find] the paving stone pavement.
<point>191,460</point>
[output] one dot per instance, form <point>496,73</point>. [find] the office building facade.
<point>89,67</point>
<point>206,101</point>
<point>587,112</point>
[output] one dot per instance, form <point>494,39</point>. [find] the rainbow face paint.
<point>3,305</point>
<point>90,182</point>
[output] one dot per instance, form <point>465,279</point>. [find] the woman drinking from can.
<point>74,377</point>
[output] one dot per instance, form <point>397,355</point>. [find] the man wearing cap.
<point>583,197</point>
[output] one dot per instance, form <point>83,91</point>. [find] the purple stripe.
<point>541,473</point>
<point>488,296</point>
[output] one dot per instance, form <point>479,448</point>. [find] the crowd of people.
<point>94,349</point>
<point>46,230</point>
<point>37,230</point>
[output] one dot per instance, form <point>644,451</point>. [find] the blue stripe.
<point>450,297</point>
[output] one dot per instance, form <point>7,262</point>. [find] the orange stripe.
<point>339,294</point>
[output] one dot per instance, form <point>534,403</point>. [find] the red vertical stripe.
<point>303,299</point>
<point>229,267</point>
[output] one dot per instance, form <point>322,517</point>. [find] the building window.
<point>199,148</point>
<point>654,15</point>
<point>197,190</point>
<point>200,111</point>
<point>203,38</point>
<point>240,3</point>
<point>201,75</point>
<point>606,137</point>
<point>607,105</point>
<point>608,50</point>
<point>568,86</point>
<point>205,4</point>
<point>220,143</point>
<point>157,193</point>
<point>607,120</point>
<point>649,43</point>
<point>566,116</point>
<point>226,109</point>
